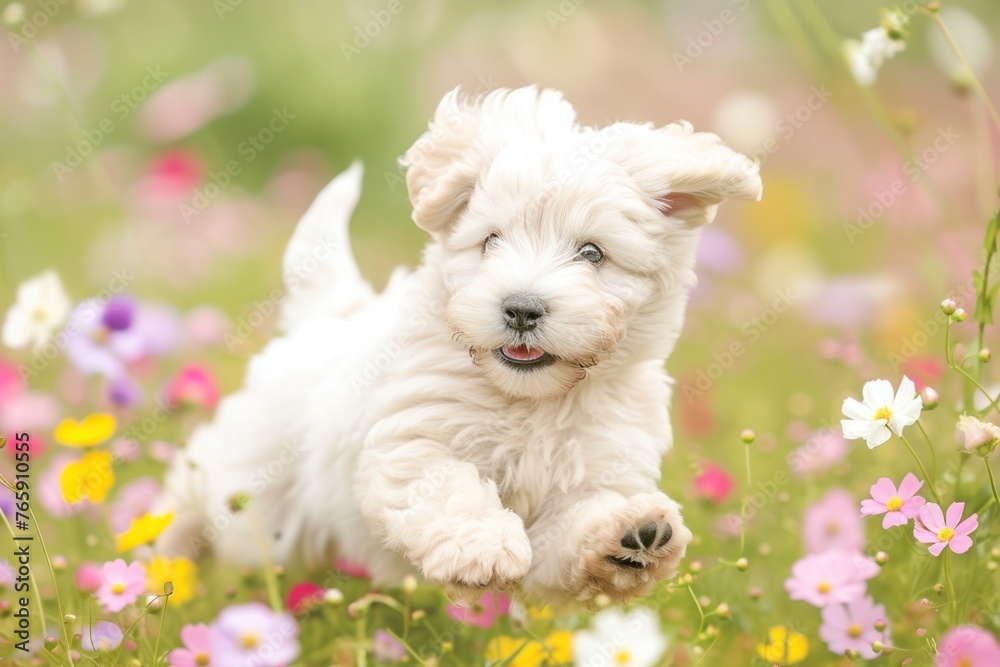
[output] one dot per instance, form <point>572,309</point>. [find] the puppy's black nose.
<point>522,312</point>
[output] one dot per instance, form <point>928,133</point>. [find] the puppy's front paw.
<point>635,546</point>
<point>489,553</point>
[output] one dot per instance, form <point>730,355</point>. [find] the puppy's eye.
<point>591,253</point>
<point>490,241</point>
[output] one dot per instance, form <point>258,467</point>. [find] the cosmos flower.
<point>303,597</point>
<point>978,437</point>
<point>253,634</point>
<point>482,613</point>
<point>866,57</point>
<point>881,413</point>
<point>831,577</point>
<point>784,646</point>
<point>931,527</point>
<point>193,385</point>
<point>197,649</point>
<point>102,636</point>
<point>897,506</point>
<point>121,585</point>
<point>629,640</point>
<point>714,483</point>
<point>851,626</point>
<point>143,530</point>
<point>92,430</point>
<point>832,522</point>
<point>968,646</point>
<point>41,306</point>
<point>180,571</point>
<point>89,478</point>
<point>386,648</point>
<point>555,648</point>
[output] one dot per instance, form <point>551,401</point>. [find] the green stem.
<point>930,446</point>
<point>930,480</point>
<point>975,383</point>
<point>159,633</point>
<point>949,584</point>
<point>270,580</point>
<point>993,481</point>
<point>361,636</point>
<point>701,612</point>
<point>976,83</point>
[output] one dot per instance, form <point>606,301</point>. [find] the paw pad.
<point>647,537</point>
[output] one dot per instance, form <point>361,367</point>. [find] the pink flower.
<point>833,523</point>
<point>10,381</point>
<point>193,385</point>
<point>89,577</point>
<point>133,500</point>
<point>714,483</point>
<point>898,506</point>
<point>822,450</point>
<point>252,634</point>
<point>483,612</point>
<point>932,528</point>
<point>122,583</point>
<point>386,649</point>
<point>352,569</point>
<point>968,646</point>
<point>102,636</point>
<point>830,577</point>
<point>303,597</point>
<point>197,650</point>
<point>852,627</point>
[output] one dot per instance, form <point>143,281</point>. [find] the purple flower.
<point>119,313</point>
<point>124,391</point>
<point>134,499</point>
<point>252,634</point>
<point>6,574</point>
<point>387,649</point>
<point>101,636</point>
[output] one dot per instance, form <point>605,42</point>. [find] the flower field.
<point>836,408</point>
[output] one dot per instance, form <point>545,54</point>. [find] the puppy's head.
<point>564,247</point>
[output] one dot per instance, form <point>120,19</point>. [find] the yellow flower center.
<point>965,662</point>
<point>623,657</point>
<point>882,413</point>
<point>824,587</point>
<point>894,503</point>
<point>118,588</point>
<point>854,631</point>
<point>946,534</point>
<point>832,528</point>
<point>250,640</point>
<point>201,659</point>
<point>40,315</point>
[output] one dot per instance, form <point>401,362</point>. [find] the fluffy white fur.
<point>385,428</point>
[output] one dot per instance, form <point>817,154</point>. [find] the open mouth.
<point>523,357</point>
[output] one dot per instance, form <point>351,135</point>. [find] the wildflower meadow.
<point>836,409</point>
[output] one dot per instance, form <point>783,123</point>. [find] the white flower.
<point>864,58</point>
<point>978,437</point>
<point>632,640</point>
<point>41,307</point>
<point>881,414</point>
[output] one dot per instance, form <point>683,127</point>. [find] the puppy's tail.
<point>320,274</point>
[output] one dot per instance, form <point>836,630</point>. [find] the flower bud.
<point>747,435</point>
<point>948,306</point>
<point>939,588</point>
<point>929,398</point>
<point>880,625</point>
<point>881,558</point>
<point>602,601</point>
<point>984,355</point>
<point>695,566</point>
<point>238,502</point>
<point>51,643</point>
<point>724,611</point>
<point>58,563</point>
<point>958,315</point>
<point>418,615</point>
<point>921,632</point>
<point>978,437</point>
<point>755,592</point>
<point>333,597</point>
<point>742,565</point>
<point>878,646</point>
<point>409,584</point>
<point>13,14</point>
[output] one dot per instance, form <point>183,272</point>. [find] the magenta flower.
<point>932,528</point>
<point>713,483</point>
<point>352,568</point>
<point>303,597</point>
<point>252,634</point>
<point>88,577</point>
<point>101,636</point>
<point>482,613</point>
<point>968,646</point>
<point>197,649</point>
<point>193,385</point>
<point>832,522</point>
<point>830,577</point>
<point>852,627</point>
<point>121,584</point>
<point>899,506</point>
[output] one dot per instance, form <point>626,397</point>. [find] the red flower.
<point>304,597</point>
<point>714,483</point>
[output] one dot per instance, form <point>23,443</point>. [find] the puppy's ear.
<point>463,138</point>
<point>683,174</point>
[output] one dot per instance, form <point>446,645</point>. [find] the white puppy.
<point>497,417</point>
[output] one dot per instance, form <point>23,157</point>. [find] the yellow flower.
<point>539,613</point>
<point>93,430</point>
<point>91,477</point>
<point>784,646</point>
<point>143,530</point>
<point>557,650</point>
<point>181,572</point>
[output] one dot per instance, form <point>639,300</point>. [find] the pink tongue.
<point>523,352</point>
